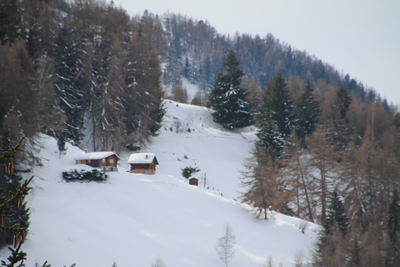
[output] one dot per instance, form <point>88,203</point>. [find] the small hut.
<point>143,163</point>
<point>105,160</point>
<point>194,181</point>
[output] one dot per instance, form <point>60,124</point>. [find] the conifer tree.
<point>336,215</point>
<point>227,98</point>
<point>11,24</point>
<point>393,220</point>
<point>68,73</point>
<point>207,73</point>
<point>342,101</point>
<point>309,111</point>
<point>186,68</point>
<point>277,119</point>
<point>330,247</point>
<point>189,171</point>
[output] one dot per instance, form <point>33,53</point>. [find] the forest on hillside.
<point>87,64</point>
<point>328,148</point>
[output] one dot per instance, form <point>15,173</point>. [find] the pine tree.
<point>269,136</point>
<point>68,73</point>
<point>309,111</point>
<point>354,254</point>
<point>393,220</point>
<point>14,215</point>
<point>336,216</point>
<point>342,101</point>
<point>11,24</point>
<point>189,171</point>
<point>277,119</point>
<point>330,247</point>
<point>186,68</point>
<point>208,77</point>
<point>231,109</point>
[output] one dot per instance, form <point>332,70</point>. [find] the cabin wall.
<point>109,161</point>
<point>91,163</point>
<point>107,164</point>
<point>143,168</point>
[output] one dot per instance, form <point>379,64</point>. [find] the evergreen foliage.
<point>11,24</point>
<point>208,75</point>
<point>277,118</point>
<point>61,142</point>
<point>13,213</point>
<point>309,111</point>
<point>186,69</point>
<point>228,100</point>
<point>187,172</point>
<point>336,216</point>
<point>87,176</point>
<point>393,220</point>
<point>329,250</point>
<point>343,101</point>
<point>157,117</point>
<point>354,254</point>
<point>68,73</point>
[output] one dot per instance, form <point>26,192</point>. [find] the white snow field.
<point>134,218</point>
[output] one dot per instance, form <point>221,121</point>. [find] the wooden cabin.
<point>143,163</point>
<point>194,181</point>
<point>105,160</point>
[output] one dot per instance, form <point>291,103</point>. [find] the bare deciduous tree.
<point>264,183</point>
<point>299,258</point>
<point>225,245</point>
<point>159,263</point>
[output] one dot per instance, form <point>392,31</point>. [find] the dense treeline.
<point>328,149</point>
<point>330,158</point>
<point>65,67</point>
<point>197,51</point>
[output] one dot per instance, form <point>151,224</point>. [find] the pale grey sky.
<point>359,37</point>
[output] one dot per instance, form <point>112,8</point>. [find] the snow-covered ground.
<point>190,87</point>
<point>134,218</point>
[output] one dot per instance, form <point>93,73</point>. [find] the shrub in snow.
<point>189,171</point>
<point>94,175</point>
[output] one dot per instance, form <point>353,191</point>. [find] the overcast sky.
<point>358,37</point>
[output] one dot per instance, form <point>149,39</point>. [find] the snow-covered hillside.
<point>189,137</point>
<point>134,218</point>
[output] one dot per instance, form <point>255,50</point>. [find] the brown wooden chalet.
<point>143,163</point>
<point>193,181</point>
<point>105,160</point>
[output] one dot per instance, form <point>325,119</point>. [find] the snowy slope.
<point>217,152</point>
<point>190,87</point>
<point>132,219</point>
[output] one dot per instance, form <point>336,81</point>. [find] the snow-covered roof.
<point>142,158</point>
<point>96,155</point>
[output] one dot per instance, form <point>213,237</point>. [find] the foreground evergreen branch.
<point>5,204</point>
<point>17,256</point>
<point>7,156</point>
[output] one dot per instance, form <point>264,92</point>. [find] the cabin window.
<point>88,161</point>
<point>78,161</point>
<point>112,161</point>
<point>103,160</point>
<point>83,162</point>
